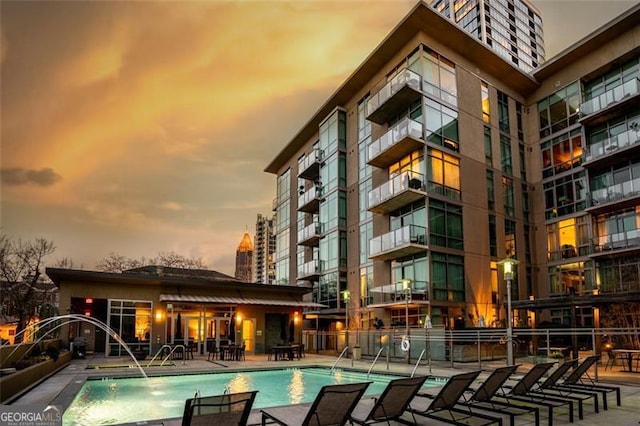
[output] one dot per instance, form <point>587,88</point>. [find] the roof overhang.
<point>238,300</point>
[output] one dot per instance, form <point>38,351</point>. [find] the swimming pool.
<point>129,400</point>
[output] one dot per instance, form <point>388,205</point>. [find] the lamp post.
<point>346,297</point>
<point>508,266</point>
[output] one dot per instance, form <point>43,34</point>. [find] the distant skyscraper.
<point>512,28</point>
<point>244,258</point>
<point>265,246</point>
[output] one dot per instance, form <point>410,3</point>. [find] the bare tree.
<point>23,288</point>
<point>119,263</point>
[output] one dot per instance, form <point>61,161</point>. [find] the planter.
<point>15,383</point>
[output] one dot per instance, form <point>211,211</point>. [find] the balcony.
<point>309,165</point>
<point>612,146</point>
<point>615,194</point>
<point>401,190</point>
<point>309,200</point>
<point>310,235</point>
<point>619,241</point>
<point>402,242</point>
<point>401,140</point>
<point>401,91</point>
<point>609,98</point>
<point>310,271</point>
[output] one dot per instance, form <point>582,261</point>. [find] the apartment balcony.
<point>309,200</point>
<point>310,235</point>
<point>401,140</point>
<point>621,241</point>
<point>310,271</point>
<point>399,191</point>
<point>615,146</point>
<point>614,197</point>
<point>609,99</point>
<point>401,91</point>
<point>402,242</point>
<point>309,165</point>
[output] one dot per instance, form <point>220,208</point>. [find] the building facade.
<point>435,160</point>
<point>244,259</point>
<point>264,250</point>
<point>512,28</point>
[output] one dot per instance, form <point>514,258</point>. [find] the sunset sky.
<point>140,127</point>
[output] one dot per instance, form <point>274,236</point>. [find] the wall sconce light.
<point>295,317</point>
<point>158,315</point>
<point>238,318</point>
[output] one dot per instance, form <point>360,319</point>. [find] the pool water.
<point>129,400</point>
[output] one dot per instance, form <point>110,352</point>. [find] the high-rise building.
<point>244,259</point>
<point>512,28</point>
<point>265,247</point>
<point>437,158</point>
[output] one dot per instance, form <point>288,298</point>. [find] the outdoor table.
<point>229,352</point>
<point>629,355</point>
<point>282,351</point>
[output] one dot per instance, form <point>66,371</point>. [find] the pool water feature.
<point>128,400</point>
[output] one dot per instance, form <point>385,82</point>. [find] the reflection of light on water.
<point>338,377</point>
<point>296,387</point>
<point>240,383</point>
<point>157,393</point>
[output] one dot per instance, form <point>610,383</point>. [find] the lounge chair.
<point>521,392</point>
<point>391,404</point>
<point>551,387</point>
<point>227,409</point>
<point>579,379</point>
<point>333,406</point>
<point>442,406</point>
<point>483,397</point>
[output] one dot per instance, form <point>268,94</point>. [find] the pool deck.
<point>61,388</point>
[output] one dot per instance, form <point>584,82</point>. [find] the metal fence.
<point>472,345</point>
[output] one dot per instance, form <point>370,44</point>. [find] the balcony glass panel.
<point>405,77</point>
<point>309,231</point>
<point>313,267</point>
<point>619,240</point>
<point>398,184</point>
<point>616,192</point>
<point>613,144</point>
<point>630,88</point>
<point>410,234</point>
<point>309,195</point>
<point>309,162</point>
<point>404,128</point>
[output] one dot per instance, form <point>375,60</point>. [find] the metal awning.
<point>237,300</point>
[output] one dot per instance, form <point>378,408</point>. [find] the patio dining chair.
<point>391,404</point>
<point>442,406</point>
<point>332,406</point>
<point>228,409</point>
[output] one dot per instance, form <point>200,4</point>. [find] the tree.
<point>119,263</point>
<point>24,290</point>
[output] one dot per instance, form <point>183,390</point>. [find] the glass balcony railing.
<point>621,191</point>
<point>310,269</point>
<point>600,102</point>
<point>402,139</point>
<point>398,85</point>
<point>401,242</point>
<point>613,144</point>
<point>310,234</point>
<point>397,192</point>
<point>309,200</point>
<point>620,240</point>
<point>309,165</point>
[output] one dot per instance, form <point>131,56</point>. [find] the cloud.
<point>21,176</point>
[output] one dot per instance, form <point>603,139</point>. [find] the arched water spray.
<point>72,318</point>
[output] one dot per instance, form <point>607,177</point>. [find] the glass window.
<point>488,148</point>
<point>443,174</point>
<point>131,320</point>
<point>505,152</point>
<point>508,195</point>
<point>445,225</point>
<point>493,236</point>
<point>441,125</point>
<point>486,107</point>
<point>439,77</point>
<point>491,191</point>
<point>503,111</point>
<point>447,277</point>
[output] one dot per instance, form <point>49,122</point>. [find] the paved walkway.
<point>61,388</point>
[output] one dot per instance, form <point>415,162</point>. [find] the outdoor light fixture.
<point>406,289</point>
<point>508,266</point>
<point>346,296</point>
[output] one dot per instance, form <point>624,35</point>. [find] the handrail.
<point>173,349</point>
<point>418,362</point>
<point>374,361</point>
<point>338,360</point>
<point>158,353</point>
